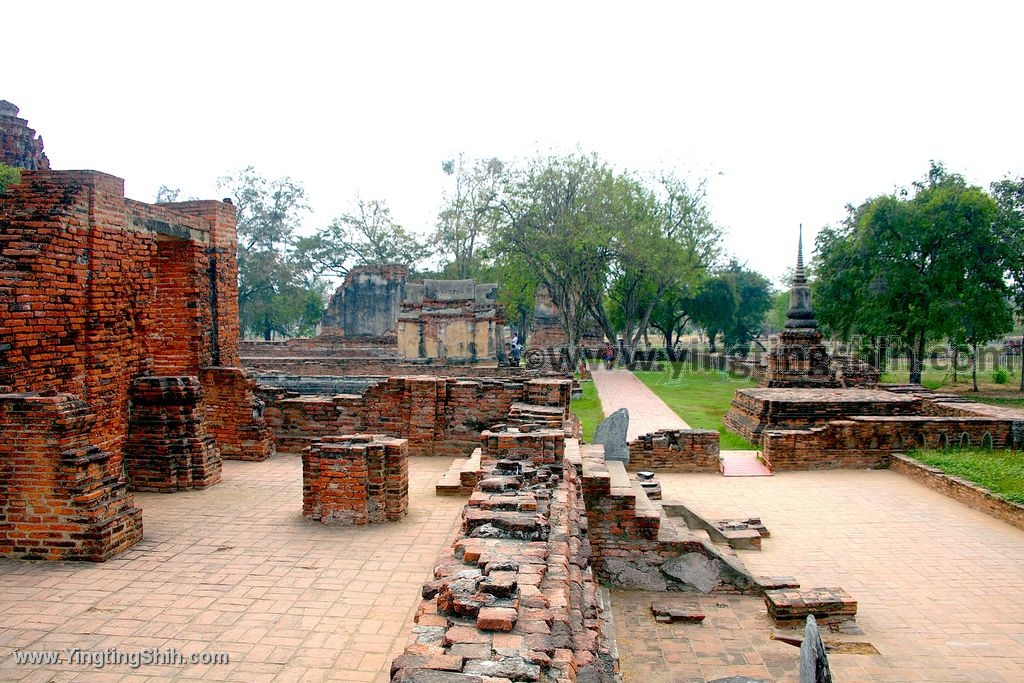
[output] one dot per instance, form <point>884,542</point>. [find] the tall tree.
<point>1009,197</point>
<point>367,234</point>
<point>914,264</point>
<point>561,214</point>
<point>665,248</point>
<point>274,292</point>
<point>469,212</point>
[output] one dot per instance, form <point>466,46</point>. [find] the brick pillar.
<point>61,498</point>
<point>168,448</point>
<point>426,416</point>
<point>235,416</point>
<point>356,479</point>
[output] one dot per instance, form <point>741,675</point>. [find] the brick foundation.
<point>675,450</point>
<point>515,598</point>
<point>168,448</point>
<point>438,416</point>
<point>356,479</point>
<point>235,416</point>
<point>867,441</point>
<point>61,497</point>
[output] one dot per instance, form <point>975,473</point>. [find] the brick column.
<point>168,448</point>
<point>61,498</point>
<point>356,479</point>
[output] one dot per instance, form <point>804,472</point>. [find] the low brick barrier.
<point>958,489</point>
<point>675,450</point>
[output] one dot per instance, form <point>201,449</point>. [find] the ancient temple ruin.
<point>119,361</point>
<point>19,145</point>
<point>814,410</point>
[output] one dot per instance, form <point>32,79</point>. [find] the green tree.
<point>560,214</point>
<point>918,264</point>
<point>1009,196</point>
<point>366,235</point>
<point>714,307</point>
<point>663,250</point>
<point>469,212</point>
<point>753,293</point>
<point>9,175</point>
<point>275,293</point>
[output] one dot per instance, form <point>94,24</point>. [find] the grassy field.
<point>588,409</point>
<point>701,398</point>
<point>942,378</point>
<point>1001,472</point>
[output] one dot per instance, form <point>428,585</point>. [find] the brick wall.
<point>61,497</point>
<point>97,290</point>
<point>168,447</point>
<point>868,441</point>
<point>234,415</point>
<point>966,492</point>
<point>356,479</point>
<point>438,416</point>
<point>675,450</point>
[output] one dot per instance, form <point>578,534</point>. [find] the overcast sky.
<point>790,110</point>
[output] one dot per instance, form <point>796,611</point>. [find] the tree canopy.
<point>925,262</point>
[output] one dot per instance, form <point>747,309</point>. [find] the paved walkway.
<point>237,569</point>
<point>940,586</point>
<point>647,412</point>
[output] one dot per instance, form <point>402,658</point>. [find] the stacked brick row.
<point>234,415</point>
<point>791,607</point>
<point>168,448</point>
<point>363,364</point>
<point>676,450</point>
<point>754,410</point>
<point>97,290</point>
<point>438,416</point>
<point>61,498</point>
<point>516,598</point>
<point>868,441</point>
<point>356,479</point>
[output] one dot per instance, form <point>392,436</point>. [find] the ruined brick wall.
<point>356,479</point>
<point>515,598</point>
<point>375,365</point>
<point>675,450</point>
<point>61,497</point>
<point>168,447</point>
<point>868,441</point>
<point>234,415</point>
<point>97,290</point>
<point>19,145</point>
<point>367,303</point>
<point>451,319</point>
<point>438,416</point>
<point>752,411</point>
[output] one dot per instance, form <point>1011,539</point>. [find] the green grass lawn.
<point>701,398</point>
<point>1001,472</point>
<point>938,378</point>
<point>1002,401</point>
<point>588,409</point>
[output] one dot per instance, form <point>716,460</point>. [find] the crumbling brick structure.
<point>19,145</point>
<point>356,479</point>
<point>377,307</point>
<point>97,291</point>
<point>438,415</point>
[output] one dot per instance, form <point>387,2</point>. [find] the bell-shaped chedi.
<point>19,144</point>
<point>799,359</point>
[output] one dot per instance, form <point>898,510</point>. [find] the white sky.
<point>791,110</point>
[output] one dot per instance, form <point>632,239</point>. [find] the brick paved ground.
<point>647,412</point>
<point>940,586</point>
<point>236,569</point>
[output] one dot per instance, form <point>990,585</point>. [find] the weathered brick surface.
<point>516,598</point>
<point>439,416</point>
<point>168,447</point>
<point>356,479</point>
<point>675,450</point>
<point>61,497</point>
<point>234,415</point>
<point>19,145</point>
<point>97,290</point>
<point>868,441</point>
<point>790,607</point>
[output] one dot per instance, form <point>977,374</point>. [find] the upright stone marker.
<point>813,660</point>
<point>612,433</point>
